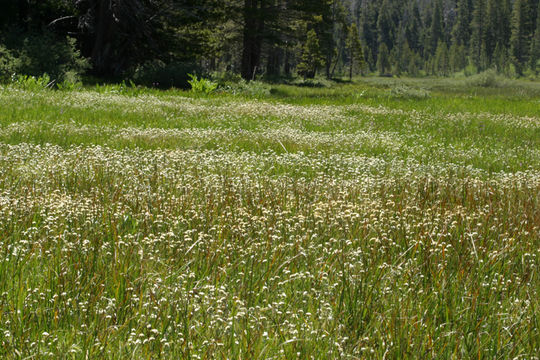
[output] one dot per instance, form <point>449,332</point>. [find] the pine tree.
<point>340,34</point>
<point>354,47</point>
<point>413,28</point>
<point>457,57</point>
<point>478,43</point>
<point>500,59</point>
<point>402,52</point>
<point>436,32</point>
<point>505,25</point>
<point>492,27</point>
<point>535,45</point>
<point>441,62</point>
<point>383,60</point>
<point>385,26</point>
<point>406,57</point>
<point>461,32</point>
<point>367,24</point>
<point>520,40</point>
<point>414,64</point>
<point>326,17</point>
<point>312,58</point>
<point>369,58</point>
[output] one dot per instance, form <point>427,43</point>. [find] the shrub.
<point>232,83</point>
<point>312,83</point>
<point>9,64</point>
<point>32,83</point>
<point>226,78</point>
<point>71,82</point>
<point>122,88</point>
<point>164,76</point>
<point>243,87</point>
<point>403,91</point>
<point>202,85</point>
<point>35,54</point>
<point>488,78</point>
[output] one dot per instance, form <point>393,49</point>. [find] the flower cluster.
<point>118,248</point>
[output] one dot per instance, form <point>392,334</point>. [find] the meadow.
<point>385,219</point>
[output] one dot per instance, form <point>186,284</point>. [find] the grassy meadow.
<point>385,219</point>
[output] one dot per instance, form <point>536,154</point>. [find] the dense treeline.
<point>160,41</point>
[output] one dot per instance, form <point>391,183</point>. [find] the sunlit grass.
<point>342,222</point>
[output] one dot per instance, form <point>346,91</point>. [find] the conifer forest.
<point>141,39</point>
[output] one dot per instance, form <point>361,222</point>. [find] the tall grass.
<point>342,222</point>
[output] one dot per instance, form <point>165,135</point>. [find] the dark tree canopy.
<point>141,38</point>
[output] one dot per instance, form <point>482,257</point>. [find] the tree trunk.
<point>252,42</point>
<point>287,66</point>
<point>104,32</point>
<point>337,61</point>
<point>274,61</point>
<point>328,65</point>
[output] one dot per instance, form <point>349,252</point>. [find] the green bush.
<point>32,83</point>
<point>488,78</point>
<point>402,91</point>
<point>9,64</point>
<point>36,54</point>
<point>158,74</point>
<point>313,83</point>
<point>123,88</point>
<point>243,87</point>
<point>226,78</point>
<point>202,85</point>
<point>71,82</point>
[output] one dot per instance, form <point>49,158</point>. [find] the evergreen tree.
<point>414,64</point>
<point>367,24</point>
<point>402,52</point>
<point>369,58</point>
<point>441,62</point>
<point>326,14</point>
<point>478,43</point>
<point>535,44</point>
<point>457,57</point>
<point>520,40</point>
<point>354,47</point>
<point>492,27</point>
<point>385,26</point>
<point>436,32</point>
<point>413,28</point>
<point>312,57</point>
<point>461,32</point>
<point>340,34</point>
<point>383,60</point>
<point>505,25</point>
<point>500,59</point>
<point>406,58</point>
<point>269,36</point>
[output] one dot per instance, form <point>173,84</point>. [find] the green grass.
<point>385,219</point>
